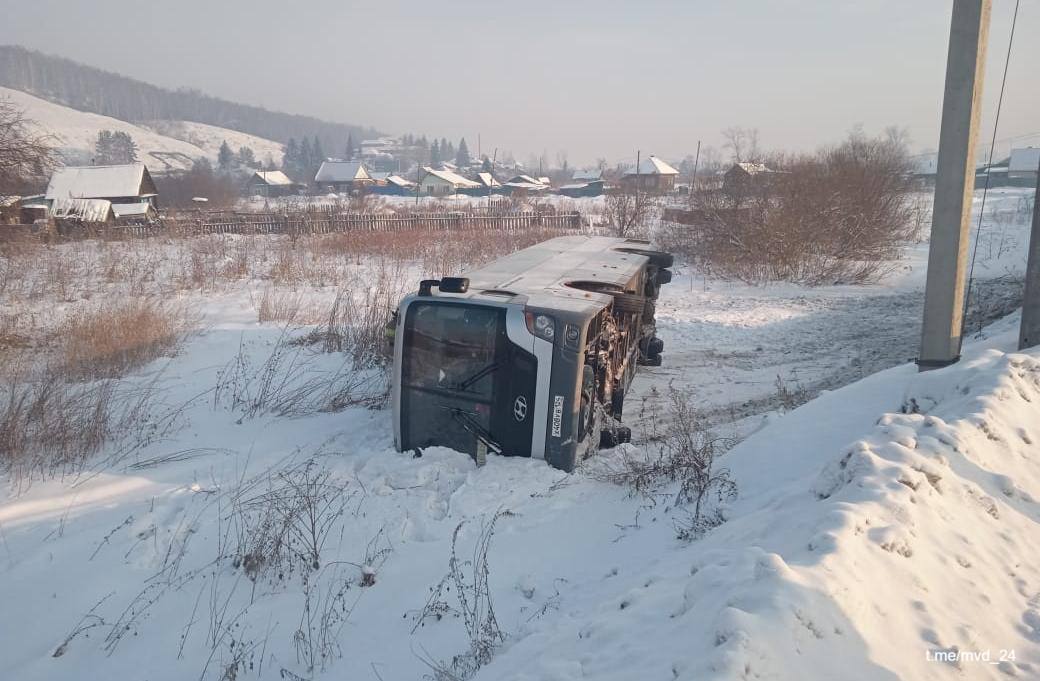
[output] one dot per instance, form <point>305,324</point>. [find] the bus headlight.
<point>541,325</point>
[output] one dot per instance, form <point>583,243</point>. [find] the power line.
<point>989,164</point>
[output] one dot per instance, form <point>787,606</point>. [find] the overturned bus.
<point>530,355</point>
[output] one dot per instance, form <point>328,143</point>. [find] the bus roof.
<point>542,272</point>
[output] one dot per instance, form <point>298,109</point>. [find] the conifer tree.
<point>225,157</point>
<point>435,155</point>
<point>462,158</point>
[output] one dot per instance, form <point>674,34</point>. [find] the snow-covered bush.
<point>677,460</point>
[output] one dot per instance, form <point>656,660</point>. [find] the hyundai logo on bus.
<point>520,408</point>
<point>557,415</point>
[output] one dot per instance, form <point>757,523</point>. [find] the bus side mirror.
<point>454,285</point>
<point>426,285</point>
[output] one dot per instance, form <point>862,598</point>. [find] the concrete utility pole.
<point>954,185</point>
<point>1029,333</point>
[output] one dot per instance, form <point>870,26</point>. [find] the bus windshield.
<point>461,377</point>
<point>451,347</point>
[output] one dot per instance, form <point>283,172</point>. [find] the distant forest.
<point>85,88</point>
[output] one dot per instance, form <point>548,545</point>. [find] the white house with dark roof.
<point>443,182</point>
<point>130,183</point>
<point>342,175</point>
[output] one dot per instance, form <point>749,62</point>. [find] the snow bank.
<point>868,543</point>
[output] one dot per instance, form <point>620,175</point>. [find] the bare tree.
<point>561,161</point>
<point>627,212</point>
<point>24,154</point>
<point>742,144</point>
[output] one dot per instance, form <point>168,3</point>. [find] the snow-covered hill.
<point>163,145</point>
<point>210,137</point>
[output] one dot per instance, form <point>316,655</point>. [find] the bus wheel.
<point>612,437</point>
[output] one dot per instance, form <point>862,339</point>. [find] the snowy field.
<point>887,523</point>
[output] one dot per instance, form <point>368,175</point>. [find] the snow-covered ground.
<point>878,527</point>
<point>163,145</point>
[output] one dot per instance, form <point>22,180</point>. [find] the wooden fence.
<point>313,222</point>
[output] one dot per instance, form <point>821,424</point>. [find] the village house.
<point>584,183</point>
<point>745,176</point>
<point>525,184</point>
<point>339,176</point>
<point>653,176</point>
<point>395,185</point>
<point>120,184</point>
<point>1022,166</point>
<point>443,182</point>
<point>271,183</point>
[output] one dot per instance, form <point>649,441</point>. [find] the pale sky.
<point>592,78</point>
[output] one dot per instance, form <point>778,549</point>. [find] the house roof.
<point>488,180</point>
<point>96,182</point>
<point>529,186</point>
<point>524,179</point>
<point>399,181</point>
<point>88,210</point>
<point>446,175</point>
<point>752,168</point>
<point>587,175</point>
<point>274,178</point>
<point>131,210</point>
<point>341,171</point>
<point>1024,160</point>
<point>651,165</point>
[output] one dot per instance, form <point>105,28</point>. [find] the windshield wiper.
<point>489,369</point>
<point>471,425</point>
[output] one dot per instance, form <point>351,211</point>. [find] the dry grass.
<point>111,339</point>
<point>50,426</point>
<point>276,305</point>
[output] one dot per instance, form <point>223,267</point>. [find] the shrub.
<point>842,215</point>
<point>113,338</point>
<point>678,463</point>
